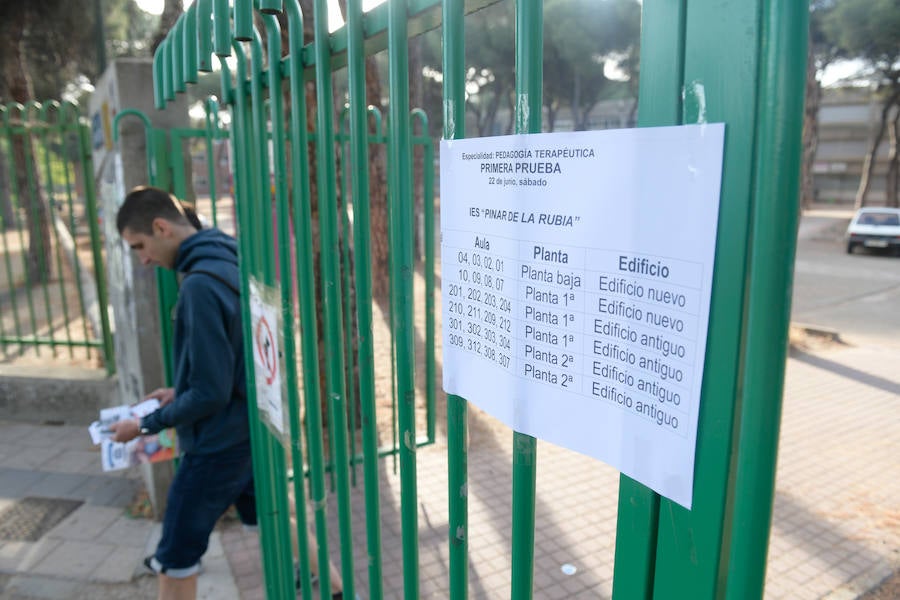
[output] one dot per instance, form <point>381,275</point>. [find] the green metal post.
<point>307,308</point>
<point>87,172</point>
<point>43,132</point>
<point>280,547</point>
<point>176,43</point>
<point>222,29</point>
<point>204,35</point>
<point>359,168</point>
<point>212,129</point>
<point>268,455</point>
<point>659,103</point>
<point>4,113</point>
<point>331,286</point>
<point>400,200</point>
<point>307,299</point>
<point>159,96</point>
<point>68,118</point>
<point>243,20</point>
<point>529,78</point>
<point>34,206</point>
<point>189,43</point>
<point>424,139</point>
<point>775,218</point>
<point>279,158</point>
<point>720,84</point>
<point>20,196</point>
<point>168,79</point>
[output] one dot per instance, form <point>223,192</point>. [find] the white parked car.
<point>875,227</point>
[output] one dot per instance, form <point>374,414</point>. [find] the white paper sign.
<point>576,275</point>
<point>266,357</point>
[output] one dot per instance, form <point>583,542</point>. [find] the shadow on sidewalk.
<point>892,387</point>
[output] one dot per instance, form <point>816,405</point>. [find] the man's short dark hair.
<point>144,204</point>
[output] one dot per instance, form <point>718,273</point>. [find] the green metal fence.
<point>52,278</point>
<point>735,61</point>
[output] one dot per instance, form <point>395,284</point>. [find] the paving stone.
<point>74,560</point>
<point>128,532</point>
<point>57,485</point>
<point>87,523</point>
<point>16,483</point>
<point>119,566</point>
<point>44,588</point>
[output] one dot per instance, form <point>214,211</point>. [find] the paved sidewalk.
<point>835,535</point>
<point>95,551</point>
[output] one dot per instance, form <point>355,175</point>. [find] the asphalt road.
<point>856,295</point>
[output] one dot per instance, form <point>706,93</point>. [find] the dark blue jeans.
<point>202,490</point>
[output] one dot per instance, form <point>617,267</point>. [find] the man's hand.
<point>164,395</point>
<point>126,430</point>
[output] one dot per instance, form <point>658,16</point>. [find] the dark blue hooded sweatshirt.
<point>210,407</point>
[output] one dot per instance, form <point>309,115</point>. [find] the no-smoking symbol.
<point>265,348</point>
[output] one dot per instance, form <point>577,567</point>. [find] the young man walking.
<point>208,405</point>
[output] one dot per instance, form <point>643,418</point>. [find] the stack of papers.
<point>142,449</point>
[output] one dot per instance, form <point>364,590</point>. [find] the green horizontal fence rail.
<point>739,62</point>
<point>53,293</point>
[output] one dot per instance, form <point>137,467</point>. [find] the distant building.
<point>848,124</point>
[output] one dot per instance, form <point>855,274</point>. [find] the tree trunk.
<point>18,87</point>
<point>416,100</point>
<point>378,217</point>
<point>810,131</point>
<point>893,172</point>
<point>6,205</point>
<point>172,10</point>
<point>865,181</point>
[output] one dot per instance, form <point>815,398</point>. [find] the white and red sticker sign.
<point>267,355</point>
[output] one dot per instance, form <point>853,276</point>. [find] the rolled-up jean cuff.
<point>183,573</point>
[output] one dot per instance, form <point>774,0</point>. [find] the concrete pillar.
<point>128,83</point>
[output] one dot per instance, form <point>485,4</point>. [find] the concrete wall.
<point>128,83</point>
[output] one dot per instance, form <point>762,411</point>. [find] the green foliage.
<point>580,37</point>
<point>868,30</point>
<point>61,39</point>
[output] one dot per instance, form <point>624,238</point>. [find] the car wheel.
<point>850,246</point>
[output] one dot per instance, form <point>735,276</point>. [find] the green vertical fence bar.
<point>22,205</point>
<point>178,50</point>
<point>281,166</point>
<point>47,177</point>
<point>400,200</point>
<point>279,547</point>
<point>87,172</point>
<point>529,79</point>
<point>774,224</point>
<point>307,302</point>
<point>189,33</point>
<point>659,103</point>
<point>359,167</point>
<point>32,200</point>
<point>212,131</point>
<point>721,84</point>
<point>4,113</point>
<point>10,283</point>
<point>68,116</point>
<point>204,35</point>
<point>424,140</point>
<point>69,133</point>
<point>279,160</point>
<point>454,105</point>
<point>267,457</point>
<point>331,288</point>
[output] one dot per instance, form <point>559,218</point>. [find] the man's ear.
<point>161,227</point>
